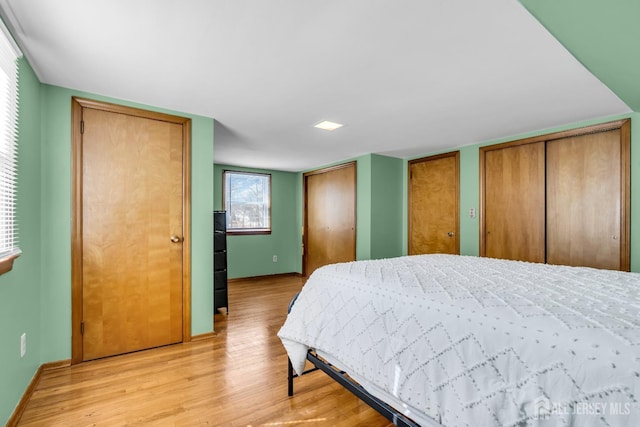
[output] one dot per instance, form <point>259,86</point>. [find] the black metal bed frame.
<point>347,382</point>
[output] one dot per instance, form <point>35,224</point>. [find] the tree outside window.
<point>247,200</point>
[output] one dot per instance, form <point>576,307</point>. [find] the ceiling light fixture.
<point>327,125</point>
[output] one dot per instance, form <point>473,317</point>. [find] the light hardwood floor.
<point>237,378</point>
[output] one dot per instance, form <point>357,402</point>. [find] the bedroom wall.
<point>250,256</point>
<point>601,39</point>
<point>56,219</point>
<point>20,288</point>
<point>470,185</point>
<point>386,199</point>
<point>363,206</point>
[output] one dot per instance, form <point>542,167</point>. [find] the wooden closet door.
<point>434,211</point>
<point>330,216</point>
<point>584,201</point>
<point>513,217</point>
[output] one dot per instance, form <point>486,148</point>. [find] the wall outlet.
<point>23,344</point>
<point>275,258</point>
<point>472,212</point>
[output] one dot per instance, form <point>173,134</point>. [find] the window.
<point>9,54</point>
<point>247,200</point>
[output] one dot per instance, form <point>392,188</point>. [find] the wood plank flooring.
<point>237,378</point>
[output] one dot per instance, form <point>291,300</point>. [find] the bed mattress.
<point>468,341</point>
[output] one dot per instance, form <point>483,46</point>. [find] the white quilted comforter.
<point>473,341</point>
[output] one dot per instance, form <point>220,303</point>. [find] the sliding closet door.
<point>513,210</point>
<point>561,198</point>
<point>585,201</point>
<point>330,216</point>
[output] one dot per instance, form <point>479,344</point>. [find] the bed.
<point>468,341</point>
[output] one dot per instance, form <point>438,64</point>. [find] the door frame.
<point>77,106</point>
<point>456,156</point>
<point>305,224</point>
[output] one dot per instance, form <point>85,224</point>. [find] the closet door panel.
<point>584,200</point>
<point>330,216</point>
<point>514,203</point>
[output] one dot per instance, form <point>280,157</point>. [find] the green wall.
<point>602,35</point>
<point>252,255</point>
<point>470,187</point>
<point>386,199</point>
<point>20,288</point>
<point>363,206</point>
<point>35,297</point>
<point>56,219</point>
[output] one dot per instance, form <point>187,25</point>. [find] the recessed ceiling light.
<point>327,125</point>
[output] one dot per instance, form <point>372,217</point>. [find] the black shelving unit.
<point>220,296</point>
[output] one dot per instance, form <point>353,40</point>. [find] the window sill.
<point>6,264</point>
<point>247,232</point>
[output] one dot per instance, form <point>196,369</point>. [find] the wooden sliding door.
<point>584,201</point>
<point>514,203</point>
<point>561,198</point>
<point>329,216</point>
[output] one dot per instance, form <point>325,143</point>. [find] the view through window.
<point>247,200</point>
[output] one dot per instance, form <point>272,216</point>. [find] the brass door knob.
<point>451,234</point>
<point>176,239</point>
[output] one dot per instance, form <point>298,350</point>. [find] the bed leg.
<point>290,379</point>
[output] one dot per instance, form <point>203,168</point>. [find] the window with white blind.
<point>9,54</point>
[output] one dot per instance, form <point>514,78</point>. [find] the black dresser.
<point>220,298</point>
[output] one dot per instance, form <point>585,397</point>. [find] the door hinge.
<point>82,126</point>
<point>82,328</point>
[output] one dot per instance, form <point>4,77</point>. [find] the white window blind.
<point>9,55</point>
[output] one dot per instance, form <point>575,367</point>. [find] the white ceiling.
<point>406,78</point>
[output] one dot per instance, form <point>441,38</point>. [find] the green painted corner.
<point>602,35</point>
<point>202,183</point>
<point>469,199</point>
<point>386,206</point>
<point>363,207</point>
